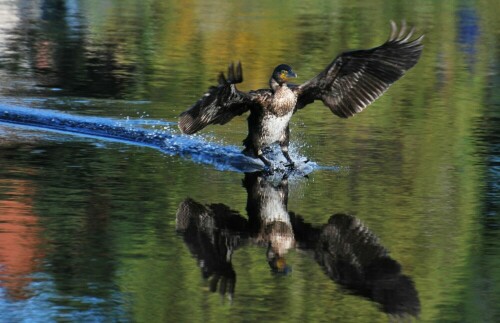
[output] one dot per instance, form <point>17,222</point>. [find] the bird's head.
<point>282,73</point>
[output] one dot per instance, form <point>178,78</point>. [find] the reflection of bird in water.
<point>352,256</point>
<point>268,218</point>
<point>351,82</point>
<point>212,233</point>
<point>349,253</point>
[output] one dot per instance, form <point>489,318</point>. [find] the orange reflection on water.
<point>19,237</point>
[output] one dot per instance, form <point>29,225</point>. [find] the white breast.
<point>273,127</point>
<point>273,209</point>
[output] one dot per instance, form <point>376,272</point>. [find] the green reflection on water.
<point>416,174</point>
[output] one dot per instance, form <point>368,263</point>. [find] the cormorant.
<point>351,82</point>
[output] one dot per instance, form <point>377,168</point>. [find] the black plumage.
<point>348,85</point>
<point>349,253</point>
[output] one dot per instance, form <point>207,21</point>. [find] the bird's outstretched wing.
<point>355,79</point>
<point>219,105</point>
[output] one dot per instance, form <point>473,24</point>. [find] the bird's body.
<point>269,119</point>
<point>350,83</point>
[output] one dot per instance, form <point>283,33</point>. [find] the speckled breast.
<point>273,127</point>
<point>276,120</point>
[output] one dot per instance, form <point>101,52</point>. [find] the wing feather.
<point>219,105</point>
<point>355,79</point>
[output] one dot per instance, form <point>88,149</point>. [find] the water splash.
<point>158,135</point>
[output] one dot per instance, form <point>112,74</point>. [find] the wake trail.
<point>195,148</point>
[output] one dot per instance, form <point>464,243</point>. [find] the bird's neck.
<point>275,85</point>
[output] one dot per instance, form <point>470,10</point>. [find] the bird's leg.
<point>284,150</point>
<point>265,161</point>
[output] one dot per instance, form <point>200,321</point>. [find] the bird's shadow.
<point>347,251</point>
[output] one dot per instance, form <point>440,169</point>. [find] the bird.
<point>351,82</point>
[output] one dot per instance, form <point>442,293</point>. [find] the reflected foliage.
<point>97,220</point>
<point>60,54</point>
<point>349,253</point>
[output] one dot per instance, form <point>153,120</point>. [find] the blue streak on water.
<point>195,148</point>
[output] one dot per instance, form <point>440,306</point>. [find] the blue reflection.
<point>46,305</point>
<point>468,33</point>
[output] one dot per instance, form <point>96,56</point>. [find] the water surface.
<point>401,221</point>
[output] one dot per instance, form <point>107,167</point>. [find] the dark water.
<point>133,222</point>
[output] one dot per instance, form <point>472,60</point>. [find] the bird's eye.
<point>284,72</point>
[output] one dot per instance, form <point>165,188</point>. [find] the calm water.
<point>400,220</point>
